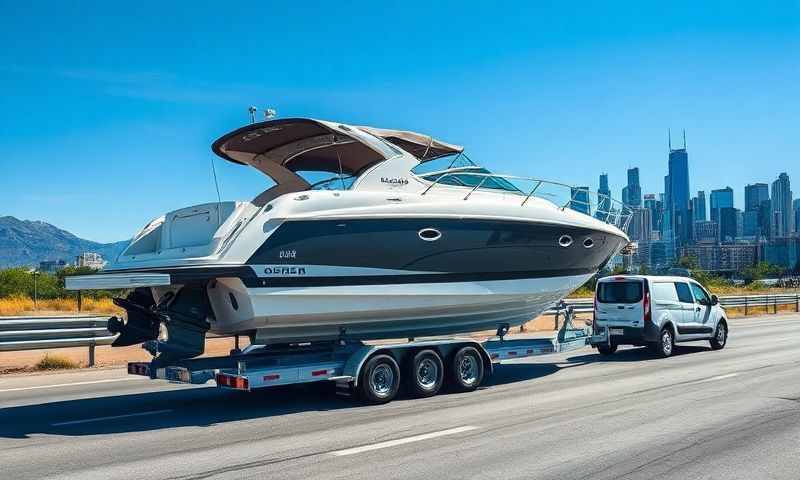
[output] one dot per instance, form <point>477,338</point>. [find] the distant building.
<point>90,260</point>
<point>782,216</point>
<point>706,231</point>
<point>699,207</point>
<point>720,198</point>
<point>52,266</point>
<point>728,218</point>
<point>796,206</point>
<point>604,198</point>
<point>727,258</point>
<point>656,254</point>
<point>750,224</point>
<point>783,251</point>
<point>676,197</point>
<point>632,193</point>
<point>655,207</point>
<point>754,194</point>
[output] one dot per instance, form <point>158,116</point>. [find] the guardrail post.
<point>91,355</point>
<point>774,305</point>
<point>745,305</point>
<point>797,303</point>
<point>80,298</point>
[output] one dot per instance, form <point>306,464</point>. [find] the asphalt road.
<point>733,413</point>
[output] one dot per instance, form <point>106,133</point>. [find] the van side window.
<point>699,294</point>
<point>684,294</point>
<point>664,292</point>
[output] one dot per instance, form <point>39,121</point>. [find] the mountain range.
<point>26,243</point>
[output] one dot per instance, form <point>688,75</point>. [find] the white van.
<point>657,312</point>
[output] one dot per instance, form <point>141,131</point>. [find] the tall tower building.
<point>632,192</point>
<point>782,215</point>
<point>676,184</point>
<point>604,198</point>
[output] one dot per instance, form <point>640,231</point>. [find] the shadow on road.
<point>635,354</point>
<point>198,407</point>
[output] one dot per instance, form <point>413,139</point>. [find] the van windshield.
<point>619,292</point>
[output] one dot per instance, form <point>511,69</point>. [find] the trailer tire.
<point>425,374</point>
<point>466,369</point>
<point>380,380</point>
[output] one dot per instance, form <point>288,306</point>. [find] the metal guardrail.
<point>746,302</point>
<point>32,333</point>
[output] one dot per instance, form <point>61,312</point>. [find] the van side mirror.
<point>714,300</point>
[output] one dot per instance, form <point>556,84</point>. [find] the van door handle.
<point>697,309</point>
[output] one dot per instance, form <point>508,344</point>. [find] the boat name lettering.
<point>288,254</point>
<point>285,270</point>
<point>394,181</point>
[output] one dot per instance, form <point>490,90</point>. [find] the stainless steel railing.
<point>604,208</point>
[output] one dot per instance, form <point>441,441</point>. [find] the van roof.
<point>655,278</point>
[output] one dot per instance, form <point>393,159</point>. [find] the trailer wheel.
<point>466,369</point>
<point>606,349</point>
<point>380,380</point>
<point>425,374</point>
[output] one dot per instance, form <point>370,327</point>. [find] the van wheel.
<point>720,337</point>
<point>380,380</point>
<point>606,349</point>
<point>425,374</point>
<point>466,369</point>
<point>665,344</point>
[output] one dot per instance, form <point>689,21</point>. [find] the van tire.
<point>665,344</point>
<point>606,349</point>
<point>720,337</point>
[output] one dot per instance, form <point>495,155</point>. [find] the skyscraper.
<point>754,194</point>
<point>720,198</point>
<point>699,207</point>
<point>782,215</point>
<point>796,206</point>
<point>632,193</point>
<point>604,198</point>
<point>655,207</point>
<point>676,208</point>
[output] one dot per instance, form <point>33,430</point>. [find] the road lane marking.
<point>718,377</point>
<point>113,417</point>
<point>90,382</point>
<point>402,441</point>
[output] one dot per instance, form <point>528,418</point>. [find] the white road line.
<point>718,377</point>
<point>402,441</point>
<point>91,382</point>
<point>114,417</point>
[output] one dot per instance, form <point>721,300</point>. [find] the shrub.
<point>55,362</point>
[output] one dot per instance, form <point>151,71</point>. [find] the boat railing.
<point>581,199</point>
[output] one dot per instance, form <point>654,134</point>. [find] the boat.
<point>364,233</point>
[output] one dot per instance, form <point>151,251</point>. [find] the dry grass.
<point>19,305</point>
<point>56,362</point>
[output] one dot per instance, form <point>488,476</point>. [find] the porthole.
<point>565,241</point>
<point>429,234</point>
<point>588,242</point>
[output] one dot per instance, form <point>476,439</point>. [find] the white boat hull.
<point>279,315</point>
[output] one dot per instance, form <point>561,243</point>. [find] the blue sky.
<point>108,110</point>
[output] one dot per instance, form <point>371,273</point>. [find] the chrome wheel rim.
<point>427,374</point>
<point>666,343</point>
<point>468,369</point>
<point>382,380</point>
<point>721,334</point>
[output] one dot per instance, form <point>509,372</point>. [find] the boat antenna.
<point>684,139</point>
<point>341,174</point>
<point>669,139</point>
<point>252,111</point>
<point>219,197</point>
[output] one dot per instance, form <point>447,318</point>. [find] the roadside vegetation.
<point>22,292</point>
<point>56,362</point>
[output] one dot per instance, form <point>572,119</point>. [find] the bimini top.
<point>282,148</point>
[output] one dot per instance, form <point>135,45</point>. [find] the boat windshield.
<point>460,170</point>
